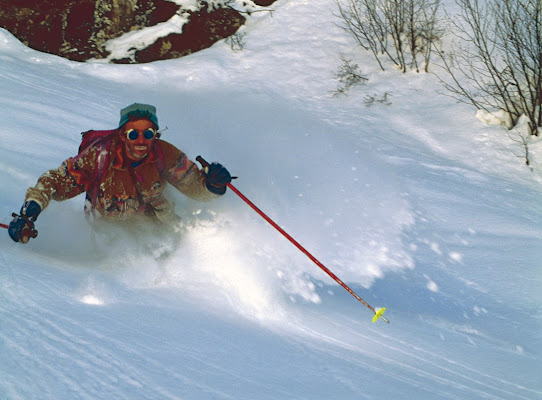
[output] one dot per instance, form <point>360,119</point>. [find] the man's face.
<point>137,150</point>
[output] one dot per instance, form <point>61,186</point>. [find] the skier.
<point>123,176</point>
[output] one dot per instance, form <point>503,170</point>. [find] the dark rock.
<point>77,29</point>
<point>263,3</point>
<point>203,30</point>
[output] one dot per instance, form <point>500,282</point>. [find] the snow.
<point>128,43</point>
<point>417,205</point>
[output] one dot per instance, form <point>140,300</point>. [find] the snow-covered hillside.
<point>416,205</point>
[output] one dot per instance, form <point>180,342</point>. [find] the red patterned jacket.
<point>124,190</point>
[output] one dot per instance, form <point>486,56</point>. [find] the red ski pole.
<point>378,314</point>
<point>4,226</point>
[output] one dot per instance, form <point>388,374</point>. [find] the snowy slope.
<point>416,205</point>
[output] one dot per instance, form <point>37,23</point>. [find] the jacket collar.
<point>120,161</point>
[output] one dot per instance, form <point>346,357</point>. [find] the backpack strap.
<point>160,162</point>
<point>101,141</point>
<point>100,164</point>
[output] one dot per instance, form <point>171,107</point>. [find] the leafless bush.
<point>348,75</point>
<point>402,31</point>
<point>522,139</point>
<point>369,101</point>
<point>237,41</point>
<point>495,59</point>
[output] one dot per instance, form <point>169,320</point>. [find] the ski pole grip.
<point>205,164</point>
<point>202,161</point>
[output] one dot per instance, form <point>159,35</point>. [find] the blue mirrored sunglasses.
<point>148,134</point>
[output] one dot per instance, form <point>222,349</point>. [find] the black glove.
<point>217,178</point>
<point>22,225</point>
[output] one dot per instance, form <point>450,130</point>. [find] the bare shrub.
<point>348,75</point>
<point>495,58</point>
<point>402,31</point>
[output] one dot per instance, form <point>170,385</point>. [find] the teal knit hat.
<point>138,110</point>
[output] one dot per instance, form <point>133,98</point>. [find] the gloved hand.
<point>21,229</point>
<point>217,178</point>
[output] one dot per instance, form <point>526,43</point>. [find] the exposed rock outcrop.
<point>78,29</point>
<point>203,29</point>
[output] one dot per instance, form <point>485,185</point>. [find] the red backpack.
<point>102,140</point>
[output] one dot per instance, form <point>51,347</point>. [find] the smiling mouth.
<point>140,148</point>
